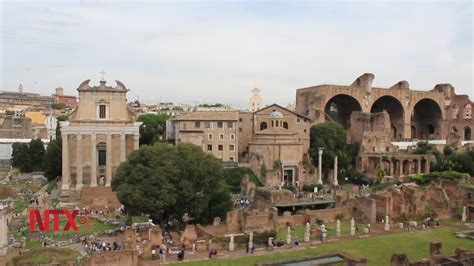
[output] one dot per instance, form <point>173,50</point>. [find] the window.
<point>207,124</point>
<point>102,154</point>
<point>285,125</point>
<point>263,125</point>
<point>297,120</point>
<point>197,124</point>
<point>102,111</point>
<point>210,136</point>
<point>220,147</point>
<point>304,130</point>
<point>221,136</point>
<point>231,147</point>
<point>240,129</point>
<point>231,158</point>
<point>240,119</point>
<point>277,123</point>
<point>209,147</point>
<point>220,124</point>
<point>230,124</point>
<point>232,136</point>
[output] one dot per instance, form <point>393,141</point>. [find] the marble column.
<point>3,231</point>
<point>335,181</point>
<point>66,178</point>
<point>136,141</point>
<point>108,170</point>
<point>320,166</point>
<point>123,152</point>
<point>79,184</point>
<point>93,160</point>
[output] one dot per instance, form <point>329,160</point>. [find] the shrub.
<point>339,216</point>
<point>310,187</point>
<point>424,179</point>
<point>319,221</point>
<point>262,238</point>
<point>289,187</point>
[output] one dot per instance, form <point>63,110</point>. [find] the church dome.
<point>276,115</point>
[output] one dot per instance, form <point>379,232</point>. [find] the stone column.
<point>3,231</point>
<point>401,169</point>
<point>387,223</point>
<point>93,160</point>
<point>307,233</point>
<point>79,184</point>
<point>108,169</point>
<point>353,229</point>
<point>320,166</point>
<point>136,141</point>
<point>66,178</point>
<point>288,235</point>
<point>123,152</point>
<point>464,214</point>
<point>338,228</point>
<point>335,181</point>
<point>231,243</point>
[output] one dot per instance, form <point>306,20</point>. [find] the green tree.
<point>167,182</point>
<point>332,138</point>
<point>36,152</point>
<point>58,106</point>
<point>423,147</point>
<point>21,157</point>
<point>53,160</point>
<point>153,128</point>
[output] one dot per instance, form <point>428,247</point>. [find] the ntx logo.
<point>43,224</point>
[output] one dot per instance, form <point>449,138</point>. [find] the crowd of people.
<point>97,245</point>
<point>241,203</point>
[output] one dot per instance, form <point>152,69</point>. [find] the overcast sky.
<point>210,52</point>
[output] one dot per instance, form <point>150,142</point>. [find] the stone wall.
<point>365,209</point>
<point>328,215</point>
<point>114,258</point>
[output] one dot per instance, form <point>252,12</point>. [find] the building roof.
<point>208,115</point>
<point>286,109</point>
<point>275,131</point>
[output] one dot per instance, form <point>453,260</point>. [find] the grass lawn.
<point>377,250</point>
<point>84,229</point>
<point>47,255</point>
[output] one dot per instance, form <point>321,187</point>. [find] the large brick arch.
<point>396,111</point>
<point>344,105</point>
<point>312,102</point>
<point>426,119</point>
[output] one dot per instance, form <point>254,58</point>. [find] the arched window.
<point>285,125</point>
<point>263,125</point>
<point>455,112</point>
<point>467,133</point>
<point>468,111</point>
<point>454,130</point>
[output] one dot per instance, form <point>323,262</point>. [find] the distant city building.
<point>213,107</point>
<point>20,98</point>
<point>59,97</point>
<point>15,127</point>
<point>255,100</point>
<point>100,134</point>
<point>173,109</point>
<point>214,131</point>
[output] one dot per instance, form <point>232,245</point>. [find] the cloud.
<point>216,52</point>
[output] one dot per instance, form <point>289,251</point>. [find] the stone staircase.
<point>99,198</point>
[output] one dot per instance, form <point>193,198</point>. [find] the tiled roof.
<point>208,115</point>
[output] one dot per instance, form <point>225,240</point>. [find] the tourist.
<point>162,252</point>
<point>153,254</point>
<point>247,248</point>
<point>212,252</point>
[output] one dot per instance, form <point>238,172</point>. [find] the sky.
<point>208,52</point>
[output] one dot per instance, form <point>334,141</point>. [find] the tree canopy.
<point>153,128</point>
<point>332,138</point>
<point>169,181</point>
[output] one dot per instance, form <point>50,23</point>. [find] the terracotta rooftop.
<point>208,115</point>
